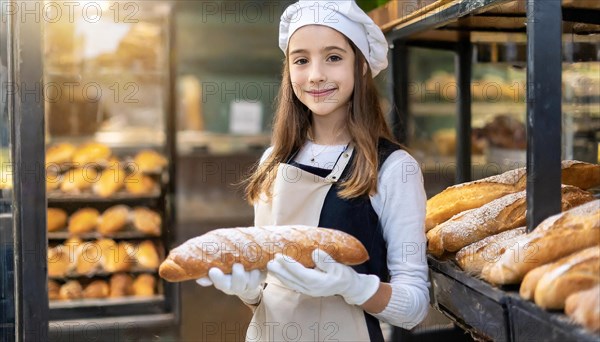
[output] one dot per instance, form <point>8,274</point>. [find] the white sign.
<point>245,117</point>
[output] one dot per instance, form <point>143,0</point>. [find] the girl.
<point>334,164</point>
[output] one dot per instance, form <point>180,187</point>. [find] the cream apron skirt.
<point>284,314</point>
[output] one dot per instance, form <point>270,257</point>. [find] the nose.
<point>317,74</point>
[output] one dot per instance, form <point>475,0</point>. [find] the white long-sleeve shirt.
<point>400,205</point>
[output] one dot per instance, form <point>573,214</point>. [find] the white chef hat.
<point>345,17</point>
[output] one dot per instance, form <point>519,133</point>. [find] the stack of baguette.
<point>558,263</point>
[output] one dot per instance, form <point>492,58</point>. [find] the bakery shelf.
<point>110,307</point>
<point>86,302</point>
<point>492,313</point>
<point>530,322</point>
<point>103,274</point>
<point>120,197</point>
<point>122,235</point>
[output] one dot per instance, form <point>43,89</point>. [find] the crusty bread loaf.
<point>56,219</point>
<point>461,197</point>
<point>579,227</point>
<point>497,216</point>
<point>113,219</point>
<point>574,273</point>
<point>584,308</point>
<point>474,257</point>
<point>255,246</point>
<point>531,280</point>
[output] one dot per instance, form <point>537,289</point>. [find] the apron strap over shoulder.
<point>340,165</point>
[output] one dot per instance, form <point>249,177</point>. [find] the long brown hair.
<point>365,122</point>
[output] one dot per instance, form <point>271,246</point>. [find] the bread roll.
<point>110,181</point>
<point>574,273</point>
<point>497,216</point>
<point>531,280</point>
<point>78,180</point>
<point>60,154</point>
<point>120,285</point>
<point>140,184</point>
<point>92,153</point>
<point>461,197</point>
<point>113,220</point>
<point>474,257</point>
<point>584,308</point>
<point>144,285</point>
<point>255,246</point>
<point>70,290</point>
<point>96,289</point>
<point>83,221</point>
<point>56,219</point>
<point>52,181</point>
<point>58,261</point>
<point>88,261</point>
<point>149,161</point>
<point>147,221</point>
<point>114,257</point>
<point>147,255</point>
<point>53,290</point>
<point>579,227</point>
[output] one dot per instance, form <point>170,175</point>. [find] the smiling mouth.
<point>321,93</point>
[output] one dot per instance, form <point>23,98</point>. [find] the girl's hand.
<point>328,278</point>
<point>246,285</point>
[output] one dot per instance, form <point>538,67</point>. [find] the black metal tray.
<point>471,303</point>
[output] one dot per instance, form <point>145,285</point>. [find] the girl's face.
<point>322,69</point>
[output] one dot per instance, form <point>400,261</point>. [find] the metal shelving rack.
<point>484,311</point>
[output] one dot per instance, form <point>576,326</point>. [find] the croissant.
<point>254,247</point>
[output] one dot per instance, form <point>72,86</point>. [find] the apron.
<point>284,314</point>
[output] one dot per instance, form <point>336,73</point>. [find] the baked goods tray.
<point>109,307</point>
<point>125,234</point>
<point>474,305</point>
<point>529,322</point>
<point>499,314</point>
<point>58,197</point>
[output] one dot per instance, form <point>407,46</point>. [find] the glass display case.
<point>108,89</point>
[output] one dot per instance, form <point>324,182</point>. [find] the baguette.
<point>531,280</point>
<point>584,308</point>
<point>254,247</point>
<point>579,226</point>
<point>461,197</point>
<point>475,256</point>
<point>505,213</point>
<point>574,273</point>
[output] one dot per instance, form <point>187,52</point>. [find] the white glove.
<point>328,278</point>
<point>246,285</point>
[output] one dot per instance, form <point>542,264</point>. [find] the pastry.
<point>70,290</point>
<point>255,246</point>
<point>56,219</point>
<point>147,221</point>
<point>120,285</point>
<point>144,285</point>
<point>92,153</point>
<point>149,161</point>
<point>83,221</point>
<point>140,184</point>
<point>53,290</point>
<point>113,220</point>
<point>78,180</point>
<point>147,255</point>
<point>96,289</point>
<point>110,181</point>
<point>59,154</point>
